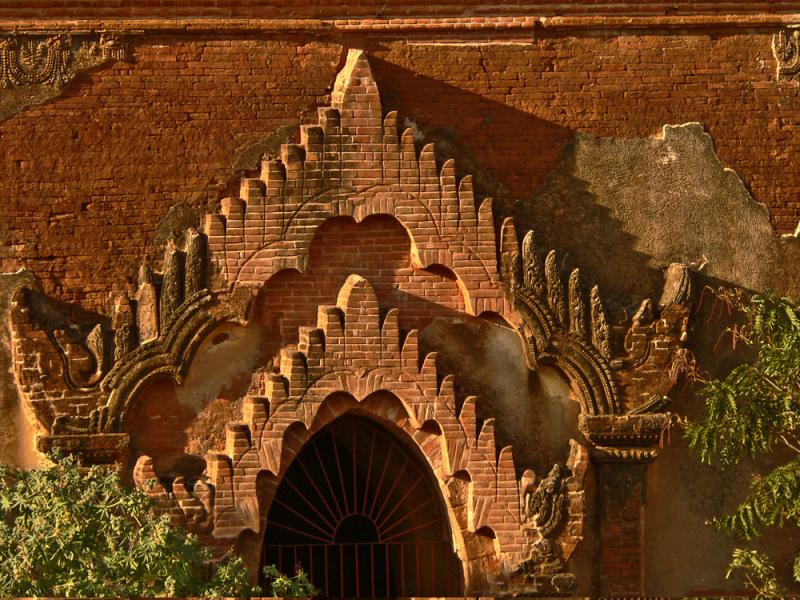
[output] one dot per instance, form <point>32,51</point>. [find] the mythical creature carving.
<point>532,265</point>
<point>544,510</point>
<point>545,505</point>
<point>549,515</point>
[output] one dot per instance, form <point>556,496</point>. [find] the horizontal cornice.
<point>484,26</point>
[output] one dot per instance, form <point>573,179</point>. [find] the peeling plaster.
<point>623,209</point>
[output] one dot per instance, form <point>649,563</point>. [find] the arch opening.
<point>361,512</point>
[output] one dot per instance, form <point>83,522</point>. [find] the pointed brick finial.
<point>355,95</point>
<point>358,302</point>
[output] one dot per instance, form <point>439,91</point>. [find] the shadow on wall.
<point>684,494</point>
<point>488,137</point>
<point>620,209</point>
<point>535,411</point>
<point>568,215</point>
<point>626,208</point>
<point>483,135</point>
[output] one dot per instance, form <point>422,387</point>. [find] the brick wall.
<point>316,8</point>
<point>378,250</point>
<point>89,176</point>
<point>162,130</point>
<point>168,127</point>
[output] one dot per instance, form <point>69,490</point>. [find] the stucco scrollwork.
<point>786,49</point>
<point>552,510</point>
<point>35,68</point>
<point>619,365</point>
<point>50,60</point>
<point>25,61</point>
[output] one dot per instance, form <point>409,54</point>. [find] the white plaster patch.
<point>226,356</point>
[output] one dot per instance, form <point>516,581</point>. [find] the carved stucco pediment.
<point>355,163</point>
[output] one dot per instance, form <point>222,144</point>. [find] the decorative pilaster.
<point>623,446</point>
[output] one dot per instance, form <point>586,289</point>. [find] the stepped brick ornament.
<point>353,164</point>
<point>80,373</point>
<point>351,351</point>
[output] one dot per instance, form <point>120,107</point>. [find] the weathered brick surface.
<point>167,128</point>
<point>162,130</point>
<point>314,9</point>
<point>378,249</point>
<point>88,176</point>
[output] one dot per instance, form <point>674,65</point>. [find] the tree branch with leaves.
<point>755,410</point>
<point>72,532</point>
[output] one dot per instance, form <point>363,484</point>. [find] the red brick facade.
<point>344,214</point>
<point>166,128</point>
<point>34,9</point>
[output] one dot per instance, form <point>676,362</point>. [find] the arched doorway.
<point>362,514</point>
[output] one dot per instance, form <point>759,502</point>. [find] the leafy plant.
<point>283,586</point>
<point>755,410</point>
<point>70,532</point>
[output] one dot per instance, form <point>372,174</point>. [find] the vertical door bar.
<point>341,571</point>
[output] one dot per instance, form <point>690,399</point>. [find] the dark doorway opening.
<point>360,512</point>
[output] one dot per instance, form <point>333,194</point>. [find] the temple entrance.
<point>362,514</point>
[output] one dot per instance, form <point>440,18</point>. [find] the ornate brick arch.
<point>353,362</point>
<point>81,383</point>
<point>352,163</point>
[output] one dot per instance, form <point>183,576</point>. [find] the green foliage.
<point>283,586</point>
<point>758,570</point>
<point>755,409</point>
<point>230,579</point>
<point>774,499</point>
<point>69,532</point>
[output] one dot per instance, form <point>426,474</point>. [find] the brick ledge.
<point>483,24</point>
